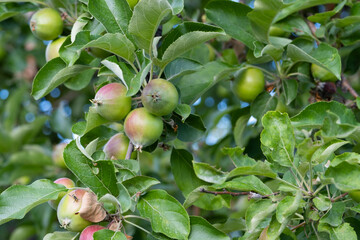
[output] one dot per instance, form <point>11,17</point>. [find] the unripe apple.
<point>249,84</point>
<point>57,155</point>
<point>322,74</point>
<point>88,232</point>
<point>117,147</point>
<point>46,24</point>
<point>112,103</point>
<point>355,195</point>
<point>52,49</point>
<point>160,97</point>
<point>68,183</point>
<point>143,128</point>
<point>276,31</point>
<point>68,211</point>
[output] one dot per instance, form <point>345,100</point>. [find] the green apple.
<point>46,24</point>
<point>249,84</point>
<point>52,49</point>
<point>322,74</point>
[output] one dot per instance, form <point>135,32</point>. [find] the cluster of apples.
<point>143,126</point>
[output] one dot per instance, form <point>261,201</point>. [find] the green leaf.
<point>324,56</point>
<point>262,17</point>
<point>191,130</point>
<point>113,14</point>
<point>203,230</point>
<point>180,67</point>
<point>139,184</point>
<point>177,6</point>
<point>12,108</point>
<point>61,236</point>
<point>182,169</point>
<point>108,234</point>
<point>228,15</point>
<point>324,17</point>
<point>208,173</point>
<point>166,214</point>
<point>138,79</point>
<point>17,200</point>
<point>290,87</point>
<point>344,231</point>
<point>298,5</point>
<point>207,201</point>
<point>259,169</point>
<point>9,10</point>
<point>240,128</point>
<point>99,176</point>
<point>287,207</point>
<point>262,104</point>
<point>248,183</point>
<point>278,139</point>
<point>194,85</point>
<point>183,38</point>
<point>145,21</point>
<point>52,75</point>
<point>257,213</point>
<point>236,155</point>
<point>183,110</point>
<point>325,151</point>
<point>322,203</point>
<point>334,216</point>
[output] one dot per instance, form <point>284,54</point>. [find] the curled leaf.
<point>91,209</point>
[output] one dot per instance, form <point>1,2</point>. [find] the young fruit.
<point>68,183</point>
<point>57,155</point>
<point>117,146</point>
<point>52,49</point>
<point>355,195</point>
<point>112,103</point>
<point>249,84</point>
<point>46,24</point>
<point>143,128</point>
<point>68,211</point>
<point>276,31</point>
<point>322,74</point>
<point>88,232</point>
<point>160,97</point>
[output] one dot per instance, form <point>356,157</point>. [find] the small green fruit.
<point>57,155</point>
<point>355,195</point>
<point>249,84</point>
<point>68,183</point>
<point>68,211</point>
<point>112,103</point>
<point>52,49</point>
<point>276,31</point>
<point>322,74</point>
<point>160,97</point>
<point>143,128</point>
<point>117,146</point>
<point>46,24</point>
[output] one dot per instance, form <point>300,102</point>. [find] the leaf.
<point>91,209</point>
<point>287,207</point>
<point>263,16</point>
<point>324,17</point>
<point>182,169</point>
<point>138,79</point>
<point>180,67</point>
<point>177,6</point>
<point>183,38</point>
<point>334,216</point>
<point>139,184</point>
<point>108,234</point>
<point>183,110</point>
<point>17,200</point>
<point>324,152</point>
<point>208,173</point>
<point>258,212</point>
<point>237,156</point>
<point>290,87</point>
<point>194,85</point>
<point>322,203</point>
<point>278,139</point>
<point>203,230</point>
<point>11,108</point>
<point>124,198</point>
<point>345,231</point>
<point>248,183</point>
<point>79,25</point>
<point>166,214</point>
<point>113,14</point>
<point>10,10</point>
<point>61,236</point>
<point>240,128</point>
<point>191,130</point>
<point>52,75</point>
<point>324,55</point>
<point>93,120</point>
<point>146,18</point>
<point>228,15</point>
<point>99,176</point>
<point>259,169</point>
<point>262,104</point>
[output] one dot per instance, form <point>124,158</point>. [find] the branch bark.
<point>250,194</point>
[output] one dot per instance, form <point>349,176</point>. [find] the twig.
<point>251,194</point>
<point>339,197</point>
<point>349,88</point>
<point>298,226</point>
<point>129,151</point>
<point>313,30</point>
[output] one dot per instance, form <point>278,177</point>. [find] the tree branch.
<point>349,88</point>
<point>298,226</point>
<point>234,194</point>
<point>339,197</point>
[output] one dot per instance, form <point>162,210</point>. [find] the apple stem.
<point>129,151</point>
